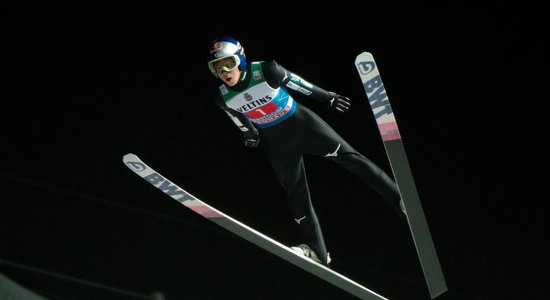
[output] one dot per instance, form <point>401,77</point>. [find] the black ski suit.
<point>302,132</point>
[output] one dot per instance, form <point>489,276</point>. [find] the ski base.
<point>150,175</point>
<point>391,137</point>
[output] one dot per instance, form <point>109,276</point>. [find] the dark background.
<point>86,83</point>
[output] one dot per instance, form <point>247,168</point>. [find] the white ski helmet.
<point>226,54</point>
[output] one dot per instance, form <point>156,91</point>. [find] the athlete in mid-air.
<point>259,97</point>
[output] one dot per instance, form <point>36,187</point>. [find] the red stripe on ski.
<point>205,211</point>
<point>389,131</point>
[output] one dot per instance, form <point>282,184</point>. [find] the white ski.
<point>387,125</point>
<point>144,171</point>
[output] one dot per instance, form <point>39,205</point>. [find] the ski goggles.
<point>228,64</point>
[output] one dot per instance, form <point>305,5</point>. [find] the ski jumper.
<point>262,102</point>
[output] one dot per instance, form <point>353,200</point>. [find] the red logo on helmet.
<point>215,47</point>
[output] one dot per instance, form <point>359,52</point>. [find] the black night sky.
<point>86,83</point>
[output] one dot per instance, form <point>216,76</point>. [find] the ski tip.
<point>365,55</point>
<point>129,156</point>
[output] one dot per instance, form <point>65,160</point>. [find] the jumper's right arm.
<point>250,133</point>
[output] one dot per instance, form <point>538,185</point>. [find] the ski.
<point>387,125</point>
<point>177,193</point>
